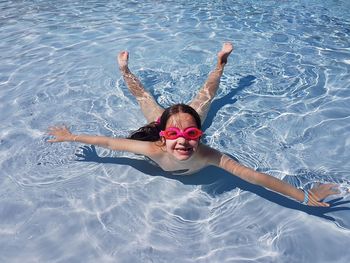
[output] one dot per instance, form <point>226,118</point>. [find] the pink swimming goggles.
<point>190,133</point>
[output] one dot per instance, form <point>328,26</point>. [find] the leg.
<point>150,108</point>
<point>201,103</point>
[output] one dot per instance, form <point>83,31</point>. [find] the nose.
<point>182,140</point>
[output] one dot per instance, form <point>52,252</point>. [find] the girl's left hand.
<point>320,192</point>
<point>61,134</point>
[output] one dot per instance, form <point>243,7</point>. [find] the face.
<point>181,148</point>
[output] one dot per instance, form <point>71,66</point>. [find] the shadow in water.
<point>215,181</point>
<point>217,104</point>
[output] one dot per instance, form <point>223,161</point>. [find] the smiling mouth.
<point>184,151</point>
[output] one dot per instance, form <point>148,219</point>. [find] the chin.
<point>182,158</point>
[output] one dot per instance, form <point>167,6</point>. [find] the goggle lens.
<point>190,133</point>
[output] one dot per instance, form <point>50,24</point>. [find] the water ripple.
<point>282,108</point>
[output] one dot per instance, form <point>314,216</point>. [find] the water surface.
<point>282,108</point>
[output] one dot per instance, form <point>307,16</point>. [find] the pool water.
<point>282,108</point>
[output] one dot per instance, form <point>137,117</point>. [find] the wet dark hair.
<point>150,132</point>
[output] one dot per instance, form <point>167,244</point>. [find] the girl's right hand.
<point>320,192</point>
<point>61,134</point>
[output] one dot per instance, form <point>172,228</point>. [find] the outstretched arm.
<point>62,134</point>
<point>315,195</point>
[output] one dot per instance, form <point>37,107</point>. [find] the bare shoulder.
<point>210,155</point>
<point>219,159</point>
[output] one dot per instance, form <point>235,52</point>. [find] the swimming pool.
<point>282,108</point>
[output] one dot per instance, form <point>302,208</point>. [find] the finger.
<point>313,202</point>
<point>54,128</point>
<point>330,185</point>
<point>322,204</point>
<point>333,188</point>
<point>50,130</point>
<point>52,140</point>
<point>53,131</point>
<point>335,191</point>
<point>313,199</point>
<point>313,196</point>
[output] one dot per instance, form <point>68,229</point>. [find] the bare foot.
<point>224,53</point>
<point>123,58</point>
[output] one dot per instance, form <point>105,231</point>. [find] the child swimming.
<point>172,137</point>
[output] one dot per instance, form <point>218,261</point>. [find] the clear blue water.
<point>282,108</point>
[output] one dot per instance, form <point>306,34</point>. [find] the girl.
<point>173,141</point>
